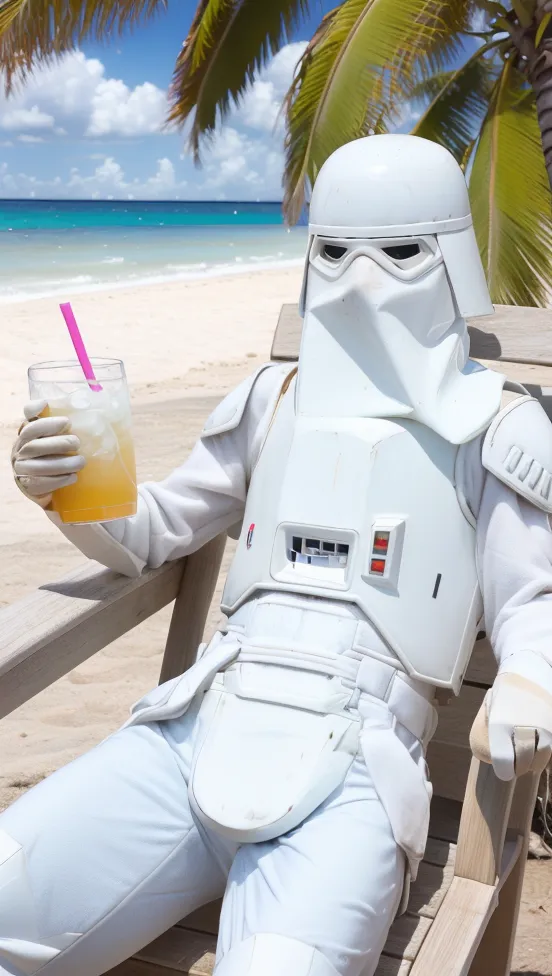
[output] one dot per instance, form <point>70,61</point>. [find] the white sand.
<point>160,331</point>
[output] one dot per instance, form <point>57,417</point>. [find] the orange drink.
<point>105,489</point>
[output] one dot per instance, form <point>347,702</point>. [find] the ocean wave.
<point>199,266</point>
<point>83,279</point>
<point>82,284</point>
<point>112,261</point>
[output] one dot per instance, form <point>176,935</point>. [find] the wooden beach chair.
<point>463,908</point>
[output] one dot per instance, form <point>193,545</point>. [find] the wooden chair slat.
<point>457,929</point>
<point>406,936</point>
<point>482,666</point>
<point>439,852</point>
<point>456,718</point>
<point>445,819</point>
<point>135,967</point>
<point>389,966</point>
<point>428,891</point>
<point>204,919</point>
<point>68,621</point>
<point>183,951</point>
<point>449,766</point>
<point>503,336</point>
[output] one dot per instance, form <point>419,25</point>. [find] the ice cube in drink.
<point>105,489</point>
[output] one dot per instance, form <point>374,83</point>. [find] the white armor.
<point>517,449</point>
<point>376,522</point>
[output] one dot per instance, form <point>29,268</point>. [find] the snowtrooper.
<point>386,498</point>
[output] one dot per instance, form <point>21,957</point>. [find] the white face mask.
<point>382,338</point>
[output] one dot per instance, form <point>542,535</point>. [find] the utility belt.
<point>284,714</point>
<point>314,637</point>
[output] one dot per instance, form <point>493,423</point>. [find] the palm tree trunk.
<point>540,76</point>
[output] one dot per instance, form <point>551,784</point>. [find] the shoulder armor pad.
<point>517,449</point>
<point>228,414</point>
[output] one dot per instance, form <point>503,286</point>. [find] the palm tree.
<point>491,107</point>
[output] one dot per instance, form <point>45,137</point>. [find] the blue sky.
<point>90,126</point>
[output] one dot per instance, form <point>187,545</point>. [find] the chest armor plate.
<point>365,511</point>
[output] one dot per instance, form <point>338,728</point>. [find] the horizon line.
<point>105,200</point>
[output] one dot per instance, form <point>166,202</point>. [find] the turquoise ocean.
<point>60,247</point>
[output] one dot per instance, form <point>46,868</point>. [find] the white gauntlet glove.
<point>519,710</point>
<point>43,457</point>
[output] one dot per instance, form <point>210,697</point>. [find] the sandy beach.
<point>184,344</point>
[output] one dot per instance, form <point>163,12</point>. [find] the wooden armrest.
<point>57,627</point>
<point>487,807</point>
<point>529,758</point>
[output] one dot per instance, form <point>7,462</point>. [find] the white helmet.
<point>392,270</point>
<point>393,186</point>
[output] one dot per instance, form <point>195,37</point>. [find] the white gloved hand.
<point>44,455</point>
<point>519,709</point>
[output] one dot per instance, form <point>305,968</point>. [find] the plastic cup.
<point>105,489</point>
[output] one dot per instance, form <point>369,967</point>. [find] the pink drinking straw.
<point>76,339</point>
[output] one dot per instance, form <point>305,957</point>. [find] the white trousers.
<point>105,855</point>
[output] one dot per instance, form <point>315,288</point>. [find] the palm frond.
<point>9,10</point>
<point>228,42</point>
<point>468,153</point>
<point>359,64</point>
<point>524,10</point>
<point>459,101</point>
<point>510,196</point>
<point>34,31</point>
<point>493,7</point>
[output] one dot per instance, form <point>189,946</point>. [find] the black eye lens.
<point>334,252</point>
<point>400,252</point>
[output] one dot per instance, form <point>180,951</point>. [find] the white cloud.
<point>248,164</point>
<point>18,119</point>
<point>243,161</point>
<point>480,19</point>
<point>74,97</point>
<point>260,107</point>
<point>118,110</point>
<point>261,104</point>
<point>239,176</point>
<point>107,181</point>
<point>165,177</point>
<point>29,139</point>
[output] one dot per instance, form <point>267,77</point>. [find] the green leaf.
<point>228,41</point>
<point>466,158</point>
<point>9,10</point>
<point>493,8</point>
<point>542,28</point>
<point>524,10</point>
<point>362,60</point>
<point>34,31</point>
<point>459,103</point>
<point>510,196</point>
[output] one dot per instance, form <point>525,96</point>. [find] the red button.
<point>381,542</point>
<point>377,566</point>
